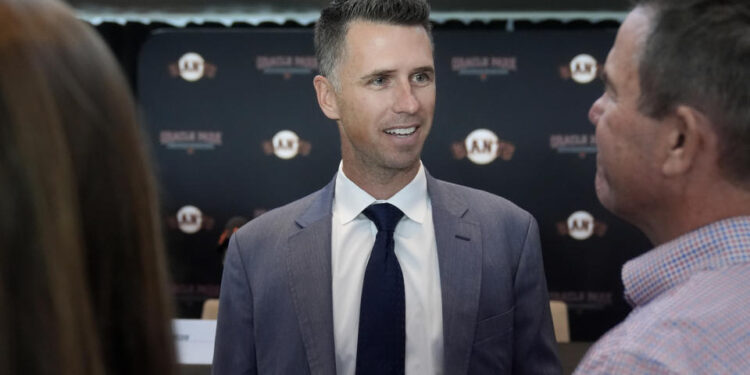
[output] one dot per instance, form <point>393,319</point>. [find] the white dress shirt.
<point>352,238</point>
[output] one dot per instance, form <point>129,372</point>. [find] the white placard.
<point>195,340</point>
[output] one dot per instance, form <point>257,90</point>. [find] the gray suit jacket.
<point>275,312</point>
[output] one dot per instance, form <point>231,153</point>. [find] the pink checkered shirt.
<point>691,308</point>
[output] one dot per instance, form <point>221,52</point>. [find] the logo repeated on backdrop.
<point>482,146</point>
<point>581,225</point>
<point>286,145</point>
<point>189,219</point>
<point>286,66</point>
<point>192,67</point>
<point>484,66</point>
<point>190,140</point>
<point>583,299</point>
<point>581,144</point>
<point>582,69</point>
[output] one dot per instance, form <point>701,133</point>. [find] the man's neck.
<point>697,209</point>
<point>381,184</point>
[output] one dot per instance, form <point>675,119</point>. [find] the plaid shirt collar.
<point>717,245</point>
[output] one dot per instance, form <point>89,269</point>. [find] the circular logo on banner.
<point>285,144</point>
<point>481,146</point>
<point>583,68</point>
<point>581,225</point>
<point>192,66</point>
<point>189,219</point>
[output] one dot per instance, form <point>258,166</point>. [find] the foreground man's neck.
<point>695,213</point>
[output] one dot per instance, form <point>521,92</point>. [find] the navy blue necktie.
<point>381,344</point>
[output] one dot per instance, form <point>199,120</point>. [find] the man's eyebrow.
<point>426,68</point>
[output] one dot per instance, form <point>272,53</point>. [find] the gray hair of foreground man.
<point>698,54</point>
<point>330,31</point>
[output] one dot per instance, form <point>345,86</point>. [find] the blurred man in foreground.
<point>673,131</point>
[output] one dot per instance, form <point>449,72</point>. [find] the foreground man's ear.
<point>326,95</point>
<point>689,135</point>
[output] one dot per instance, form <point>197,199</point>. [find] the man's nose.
<point>406,100</point>
<point>595,113</point>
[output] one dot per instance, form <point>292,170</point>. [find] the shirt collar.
<point>350,200</point>
<point>717,245</point>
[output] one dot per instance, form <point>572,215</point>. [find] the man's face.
<point>386,99</point>
<point>627,168</point>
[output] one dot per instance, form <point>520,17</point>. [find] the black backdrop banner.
<point>236,130</point>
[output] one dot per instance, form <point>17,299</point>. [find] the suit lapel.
<point>308,262</point>
<point>460,258</point>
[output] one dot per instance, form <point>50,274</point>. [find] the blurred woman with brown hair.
<point>82,268</point>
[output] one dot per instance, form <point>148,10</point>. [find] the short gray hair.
<point>331,29</point>
<point>698,54</point>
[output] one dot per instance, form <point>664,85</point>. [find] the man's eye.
<point>378,81</point>
<point>421,77</point>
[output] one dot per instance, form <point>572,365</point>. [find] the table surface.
<point>570,354</point>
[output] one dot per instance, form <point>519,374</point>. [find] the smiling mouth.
<point>401,132</point>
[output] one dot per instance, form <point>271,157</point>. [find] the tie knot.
<point>384,215</point>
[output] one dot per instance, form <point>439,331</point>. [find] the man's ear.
<point>688,134</point>
<point>326,94</point>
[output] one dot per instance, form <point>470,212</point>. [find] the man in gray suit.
<point>314,287</point>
